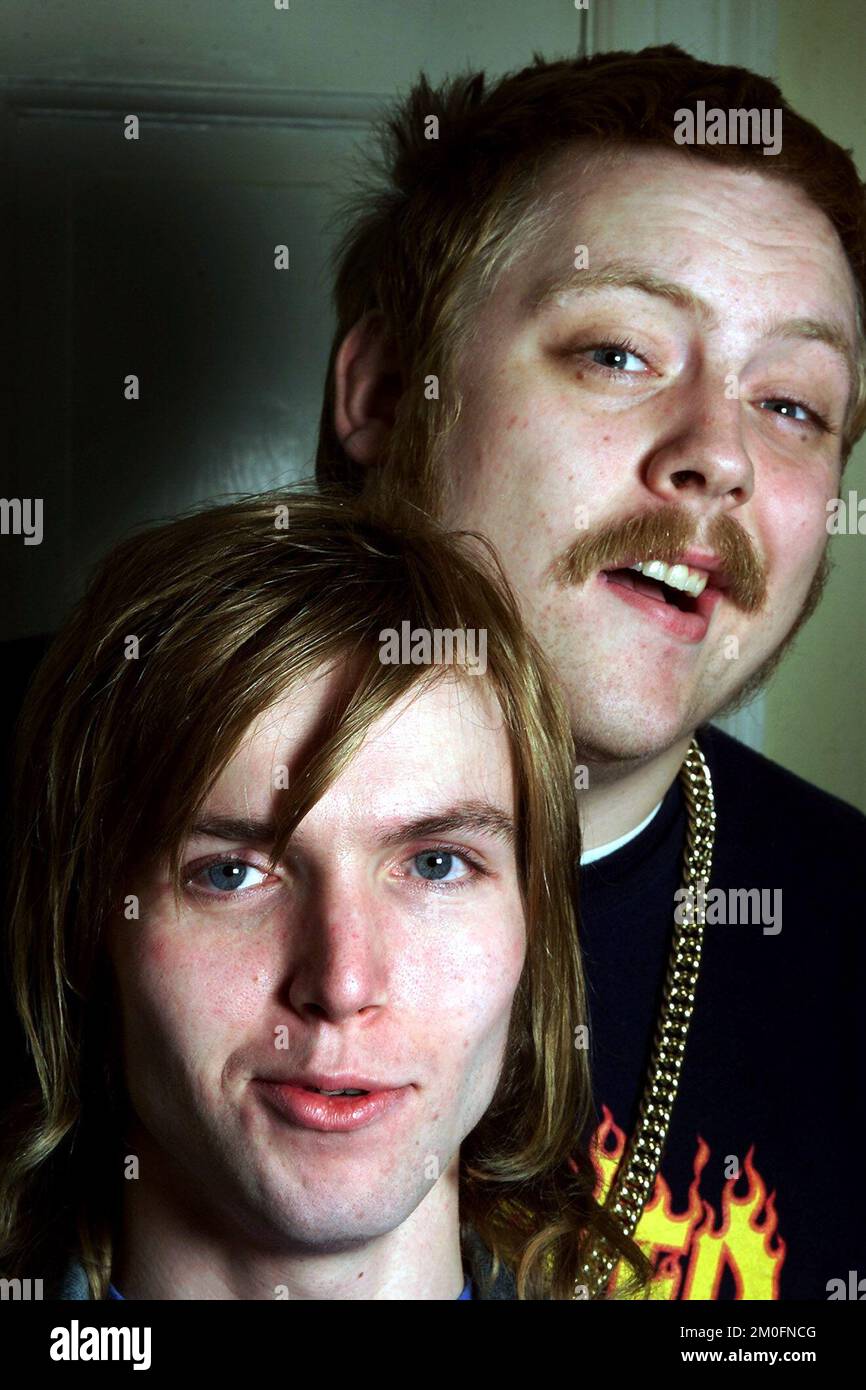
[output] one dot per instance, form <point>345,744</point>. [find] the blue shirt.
<point>467,1291</point>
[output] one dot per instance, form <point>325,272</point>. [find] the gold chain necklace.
<point>637,1170</point>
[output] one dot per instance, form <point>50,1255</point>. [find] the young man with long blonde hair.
<point>291,932</point>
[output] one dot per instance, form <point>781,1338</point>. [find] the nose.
<point>703,457</point>
<point>339,967</point>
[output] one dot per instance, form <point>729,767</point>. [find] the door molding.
<point>188,102</point>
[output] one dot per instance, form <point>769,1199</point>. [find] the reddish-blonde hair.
<point>430,231</point>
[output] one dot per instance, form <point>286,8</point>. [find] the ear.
<point>367,387</point>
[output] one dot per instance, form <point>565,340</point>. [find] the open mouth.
<point>677,600</point>
<point>677,584</point>
<point>654,588</point>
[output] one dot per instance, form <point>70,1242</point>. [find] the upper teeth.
<point>677,576</point>
<point>347,1092</point>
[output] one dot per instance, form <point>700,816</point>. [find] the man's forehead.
<point>595,192</point>
<point>587,166</point>
<point>439,751</point>
<point>460,718</point>
<point>594,198</point>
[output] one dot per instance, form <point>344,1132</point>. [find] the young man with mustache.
<point>637,368</point>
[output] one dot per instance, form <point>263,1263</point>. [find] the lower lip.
<point>332,1114</point>
<point>687,627</point>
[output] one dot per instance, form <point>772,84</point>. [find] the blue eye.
<point>435,864</point>
<point>228,875</point>
<point>621,350</point>
<point>788,404</point>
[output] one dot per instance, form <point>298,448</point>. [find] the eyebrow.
<point>475,816</point>
<point>625,275</point>
<point>253,830</point>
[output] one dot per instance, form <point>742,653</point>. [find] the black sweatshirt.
<point>772,1087</point>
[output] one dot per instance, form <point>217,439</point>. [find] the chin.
<point>629,730</point>
<point>330,1216</point>
<point>337,1230</point>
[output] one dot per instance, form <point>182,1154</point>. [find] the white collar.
<point>590,855</point>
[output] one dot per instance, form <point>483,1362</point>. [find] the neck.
<point>177,1244</point>
<point>619,796</point>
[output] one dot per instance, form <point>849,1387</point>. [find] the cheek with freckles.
<point>521,483</point>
